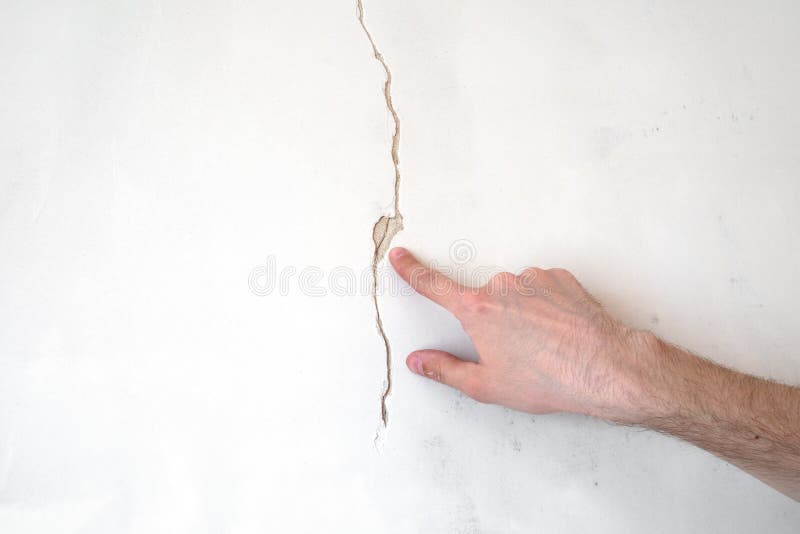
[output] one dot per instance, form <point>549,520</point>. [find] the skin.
<point>546,345</point>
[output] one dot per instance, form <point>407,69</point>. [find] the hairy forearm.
<point>546,345</point>
<point>750,422</point>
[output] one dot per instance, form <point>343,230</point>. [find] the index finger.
<point>428,282</point>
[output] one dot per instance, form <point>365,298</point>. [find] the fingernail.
<point>397,252</point>
<point>415,364</point>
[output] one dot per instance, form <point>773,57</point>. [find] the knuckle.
<point>502,277</point>
<point>532,272</point>
<point>528,279</point>
<point>501,283</point>
<point>419,277</point>
<point>558,272</point>
<point>475,302</point>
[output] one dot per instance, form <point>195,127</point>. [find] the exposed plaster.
<point>386,227</point>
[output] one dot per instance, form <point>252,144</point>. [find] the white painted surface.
<point>153,154</point>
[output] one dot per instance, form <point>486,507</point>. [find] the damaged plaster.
<point>386,227</point>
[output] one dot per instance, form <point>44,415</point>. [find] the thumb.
<point>445,368</point>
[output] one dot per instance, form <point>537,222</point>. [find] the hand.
<point>544,344</point>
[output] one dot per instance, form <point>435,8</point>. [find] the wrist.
<point>654,380</point>
<point>671,385</point>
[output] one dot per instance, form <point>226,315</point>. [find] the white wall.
<point>154,153</point>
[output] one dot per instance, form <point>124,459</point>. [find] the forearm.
<point>750,422</point>
<point>546,345</point>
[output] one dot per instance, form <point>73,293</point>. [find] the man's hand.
<point>545,345</point>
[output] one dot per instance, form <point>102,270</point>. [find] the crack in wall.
<point>386,227</point>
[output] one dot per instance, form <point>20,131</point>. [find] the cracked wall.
<point>647,147</point>
<point>386,227</point>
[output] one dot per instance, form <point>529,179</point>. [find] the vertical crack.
<point>386,227</point>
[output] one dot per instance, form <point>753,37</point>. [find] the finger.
<point>447,369</point>
<point>426,281</point>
